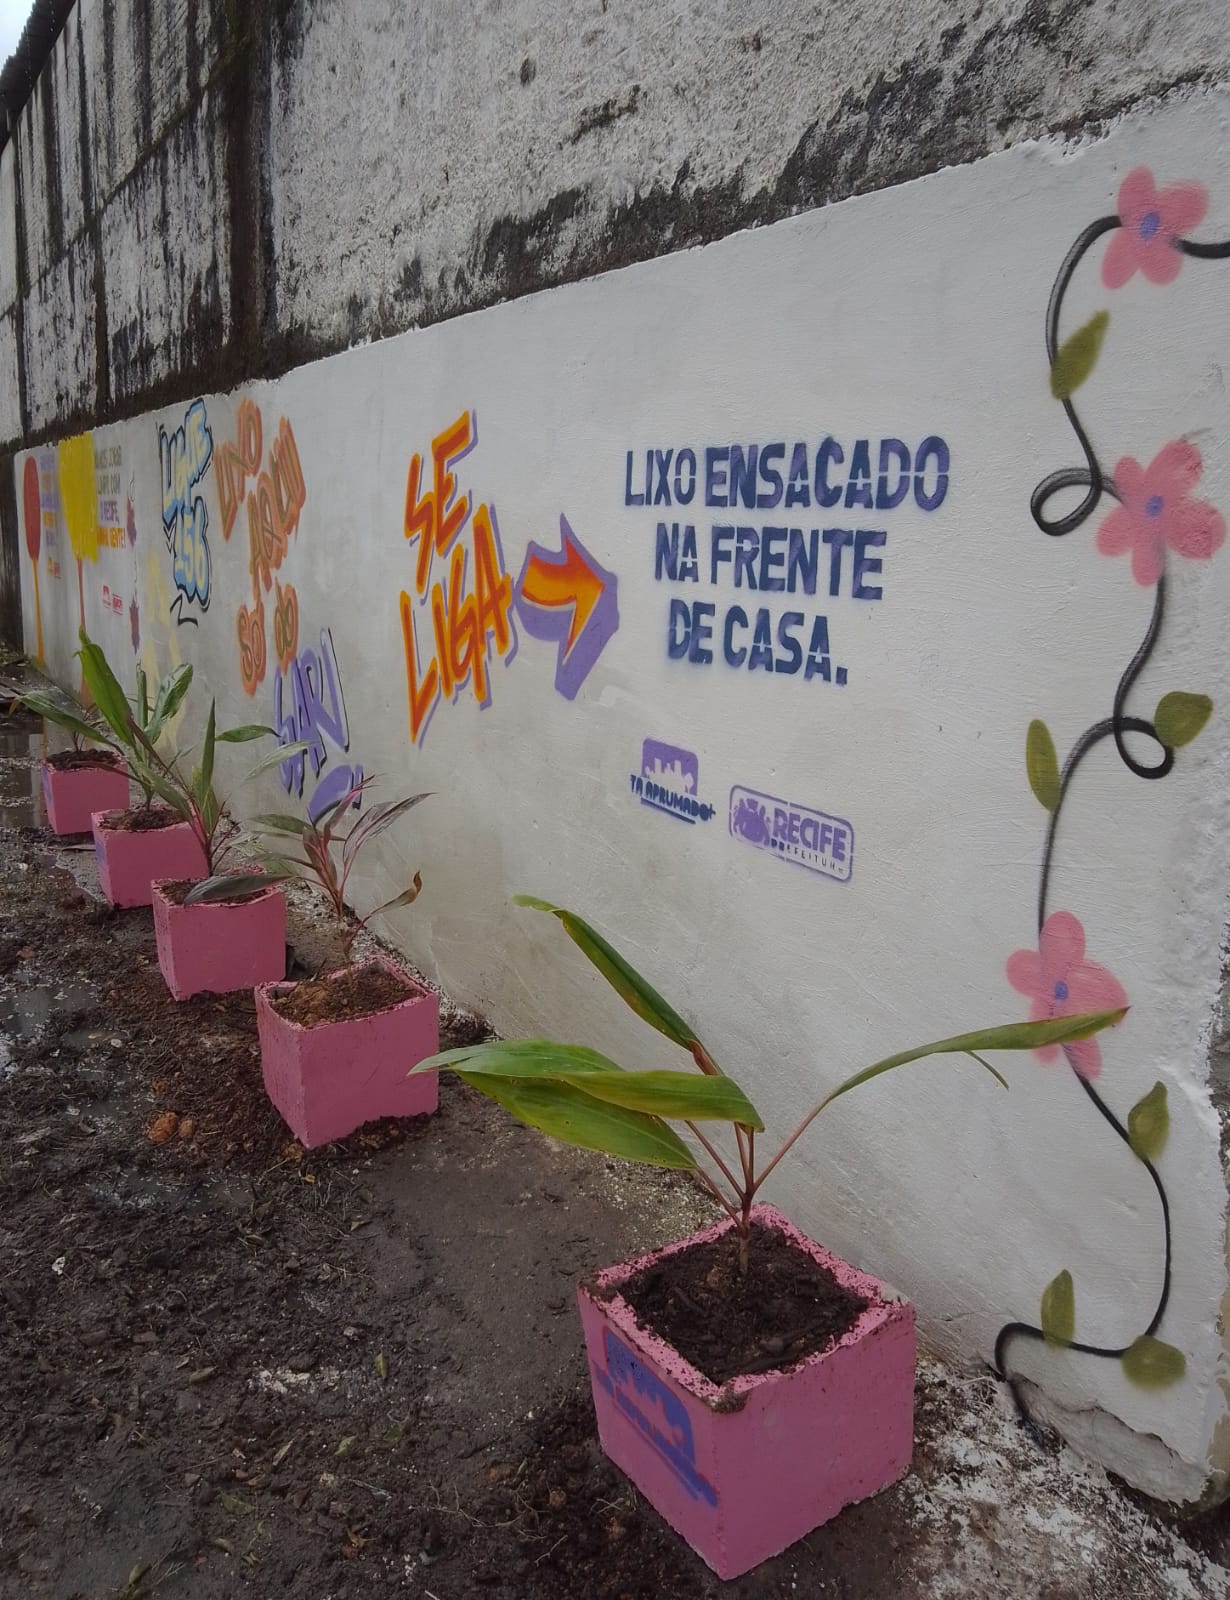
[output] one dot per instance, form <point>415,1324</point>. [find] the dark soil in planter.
<point>72,760</point>
<point>146,819</point>
<point>728,1323</point>
<point>358,992</point>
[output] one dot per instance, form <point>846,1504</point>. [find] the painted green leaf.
<point>620,974</point>
<point>1078,355</point>
<point>1059,1310</point>
<point>1152,1363</point>
<point>569,1114</point>
<point>1149,1123</point>
<point>1180,717</point>
<point>1042,764</point>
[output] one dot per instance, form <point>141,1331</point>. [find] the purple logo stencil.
<point>655,1411</point>
<point>668,781</point>
<point>810,839</point>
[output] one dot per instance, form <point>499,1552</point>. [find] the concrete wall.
<point>823,839</point>
<point>797,789</point>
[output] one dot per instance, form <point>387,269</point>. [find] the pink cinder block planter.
<point>331,1078</point>
<point>743,1469</point>
<point>214,948</point>
<point>129,862</point>
<point>71,795</point>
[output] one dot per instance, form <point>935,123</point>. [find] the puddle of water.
<point>26,1015</point>
<point>20,796</point>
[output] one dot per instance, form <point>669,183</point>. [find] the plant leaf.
<point>1180,717</point>
<point>104,688</point>
<point>1059,1310</point>
<point>1011,1036</point>
<point>520,1058</point>
<point>249,730</point>
<point>715,1098</point>
<point>567,1113</point>
<point>1152,1363</point>
<point>406,898</point>
<point>1042,764</point>
<point>229,886</point>
<point>1078,355</point>
<point>170,697</point>
<point>376,821</point>
<point>142,697</point>
<point>280,822</point>
<point>1149,1123</point>
<point>42,705</point>
<point>620,974</point>
<point>275,758</point>
<point>207,754</point>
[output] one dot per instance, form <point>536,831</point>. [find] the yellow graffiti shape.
<point>79,494</point>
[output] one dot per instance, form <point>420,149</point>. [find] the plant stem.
<point>737,1189</point>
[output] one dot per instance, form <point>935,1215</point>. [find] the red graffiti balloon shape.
<point>33,507</point>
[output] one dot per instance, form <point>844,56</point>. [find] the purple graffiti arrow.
<point>566,597</point>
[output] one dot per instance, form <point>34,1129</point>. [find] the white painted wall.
<point>915,312</point>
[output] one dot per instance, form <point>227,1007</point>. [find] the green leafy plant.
<point>138,733</point>
<point>586,1099</point>
<point>317,864</point>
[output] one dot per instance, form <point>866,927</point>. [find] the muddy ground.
<point>231,1367</point>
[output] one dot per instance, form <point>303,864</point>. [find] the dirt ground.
<point>229,1367</point>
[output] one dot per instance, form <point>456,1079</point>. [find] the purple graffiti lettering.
<point>309,707</point>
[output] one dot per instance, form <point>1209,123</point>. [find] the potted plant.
<point>89,776</point>
<point>748,1381</point>
<point>182,837</point>
<point>334,1048</point>
<point>234,937</point>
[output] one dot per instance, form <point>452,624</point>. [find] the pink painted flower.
<point>1152,220</point>
<point>1061,983</point>
<point>1156,510</point>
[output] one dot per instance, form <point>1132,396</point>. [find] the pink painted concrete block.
<point>212,949</point>
<point>331,1078</point>
<point>71,795</point>
<point>129,862</point>
<point>743,1469</point>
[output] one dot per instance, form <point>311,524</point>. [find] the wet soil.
<point>361,991</point>
<point>74,760</point>
<point>146,819</point>
<point>729,1322</point>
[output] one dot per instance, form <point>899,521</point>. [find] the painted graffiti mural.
<point>1157,518</point>
<point>274,503</point>
<point>449,633</point>
<point>563,597</point>
<point>942,742</point>
<point>309,707</point>
<point>184,456</point>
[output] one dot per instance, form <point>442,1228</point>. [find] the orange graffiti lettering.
<point>274,504</point>
<point>251,625</point>
<point>285,625</point>
<point>453,632</point>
